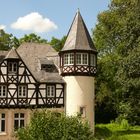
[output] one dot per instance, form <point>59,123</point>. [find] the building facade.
<point>36,76</point>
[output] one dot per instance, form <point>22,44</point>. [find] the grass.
<point>115,131</point>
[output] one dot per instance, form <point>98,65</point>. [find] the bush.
<point>48,125</point>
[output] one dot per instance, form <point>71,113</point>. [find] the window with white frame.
<point>12,67</point>
<point>19,120</point>
<point>85,58</point>
<point>3,90</point>
<point>69,59</point>
<point>22,91</point>
<point>92,59</point>
<point>2,122</point>
<point>50,91</point>
<point>82,58</point>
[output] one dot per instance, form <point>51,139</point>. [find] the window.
<point>78,58</point>
<point>82,58</point>
<point>22,91</point>
<point>12,67</point>
<point>3,90</point>
<point>92,60</point>
<point>49,67</point>
<point>83,111</point>
<point>18,120</point>
<point>2,122</point>
<point>69,59</point>
<point>65,59</point>
<point>50,91</point>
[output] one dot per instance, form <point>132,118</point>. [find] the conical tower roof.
<point>78,37</point>
<point>12,54</point>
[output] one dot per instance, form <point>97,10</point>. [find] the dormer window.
<point>69,59</point>
<point>82,59</point>
<point>12,67</point>
<point>49,67</point>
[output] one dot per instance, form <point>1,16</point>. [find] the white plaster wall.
<point>80,92</point>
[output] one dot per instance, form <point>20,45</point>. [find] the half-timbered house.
<point>36,76</point>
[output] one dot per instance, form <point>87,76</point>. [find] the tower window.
<point>3,90</point>
<point>69,59</point>
<point>85,58</point>
<point>83,111</point>
<point>78,58</point>
<point>92,60</point>
<point>2,122</point>
<point>82,58</point>
<point>50,91</point>
<point>22,91</point>
<point>12,67</point>
<point>18,120</point>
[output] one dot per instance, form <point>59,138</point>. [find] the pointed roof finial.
<point>78,10</point>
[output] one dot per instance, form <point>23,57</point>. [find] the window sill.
<point>12,73</point>
<point>3,133</point>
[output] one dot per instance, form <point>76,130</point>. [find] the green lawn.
<point>114,131</point>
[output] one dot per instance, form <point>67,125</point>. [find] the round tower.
<point>78,68</point>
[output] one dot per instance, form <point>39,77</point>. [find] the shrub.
<point>48,125</point>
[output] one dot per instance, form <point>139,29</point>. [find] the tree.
<point>32,38</point>
<point>117,35</point>
<point>57,44</point>
<point>48,125</point>
<point>7,41</point>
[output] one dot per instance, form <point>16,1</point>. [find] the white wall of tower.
<point>80,93</point>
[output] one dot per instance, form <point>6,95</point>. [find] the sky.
<point>47,18</point>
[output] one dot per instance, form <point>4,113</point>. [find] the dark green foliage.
<point>57,44</point>
<point>117,37</point>
<point>32,38</point>
<point>47,125</point>
<point>7,41</point>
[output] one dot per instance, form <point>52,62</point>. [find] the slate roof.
<point>34,54</point>
<point>78,37</point>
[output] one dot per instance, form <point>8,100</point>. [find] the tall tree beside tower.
<point>117,37</point>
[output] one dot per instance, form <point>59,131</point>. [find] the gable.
<point>33,54</point>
